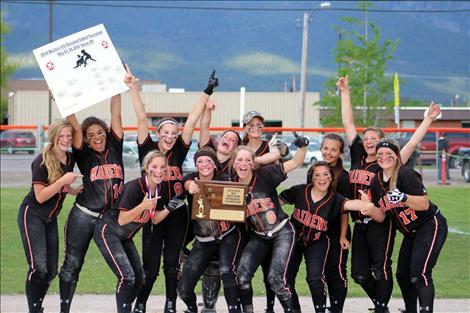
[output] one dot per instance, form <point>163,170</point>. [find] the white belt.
<point>272,231</point>
<point>87,211</point>
<point>213,238</point>
<point>366,220</point>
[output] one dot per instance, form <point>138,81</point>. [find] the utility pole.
<point>50,40</point>
<point>303,66</point>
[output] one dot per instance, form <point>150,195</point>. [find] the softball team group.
<point>379,193</point>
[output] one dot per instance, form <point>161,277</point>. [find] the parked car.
<point>130,155</point>
<point>464,155</point>
<point>13,141</point>
<point>188,164</point>
<point>313,152</point>
<point>456,141</point>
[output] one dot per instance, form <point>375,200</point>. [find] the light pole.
<point>51,2</point>
<point>303,66</point>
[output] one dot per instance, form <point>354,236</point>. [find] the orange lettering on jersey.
<point>259,205</point>
<point>224,226</point>
<point>386,205</point>
<point>106,171</point>
<point>362,177</point>
<point>173,173</point>
<point>310,220</point>
<point>142,218</point>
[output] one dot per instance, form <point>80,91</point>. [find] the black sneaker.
<point>139,308</point>
<point>170,306</point>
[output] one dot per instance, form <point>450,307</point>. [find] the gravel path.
<point>106,303</point>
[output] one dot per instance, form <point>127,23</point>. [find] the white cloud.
<point>263,63</point>
<point>24,60</point>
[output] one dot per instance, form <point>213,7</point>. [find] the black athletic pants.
<point>315,260</point>
<point>41,245</point>
<point>78,233</point>
<point>256,250</point>
<point>169,237</point>
<point>418,256</point>
<point>124,260</point>
<point>372,246</point>
<point>336,272</point>
<point>228,250</point>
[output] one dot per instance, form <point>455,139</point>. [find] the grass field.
<point>451,275</point>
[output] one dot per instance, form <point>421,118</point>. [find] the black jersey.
<point>206,228</point>
<point>343,188</point>
<point>173,182</point>
<point>404,218</point>
<point>361,173</point>
<point>263,149</point>
<point>222,167</point>
<point>103,174</point>
<point>132,196</point>
<point>50,208</point>
<point>264,211</point>
<point>311,219</point>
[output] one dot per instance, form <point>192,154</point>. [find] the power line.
<point>222,8</point>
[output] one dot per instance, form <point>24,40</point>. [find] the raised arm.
<point>116,119</point>
<point>198,108</point>
<point>347,114</point>
<point>205,122</point>
<point>432,113</point>
<point>77,131</point>
<point>142,122</point>
<point>301,143</point>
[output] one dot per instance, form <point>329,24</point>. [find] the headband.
<point>386,144</point>
<point>165,122</point>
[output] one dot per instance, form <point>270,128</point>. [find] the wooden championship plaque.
<point>220,201</point>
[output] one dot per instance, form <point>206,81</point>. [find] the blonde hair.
<point>398,164</point>
<point>49,158</point>
<point>377,130</point>
<point>149,158</point>
<point>234,155</point>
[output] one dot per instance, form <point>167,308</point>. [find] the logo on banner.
<point>50,66</point>
<point>83,58</point>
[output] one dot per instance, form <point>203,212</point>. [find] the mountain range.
<point>255,44</point>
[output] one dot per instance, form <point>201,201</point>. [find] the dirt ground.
<point>106,303</point>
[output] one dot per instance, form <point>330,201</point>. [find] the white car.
<point>313,152</point>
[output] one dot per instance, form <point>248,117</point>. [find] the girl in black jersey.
<point>372,242</point>
<point>52,174</point>
<point>271,230</point>
<point>339,232</point>
<point>171,232</point>
<point>226,142</point>
<point>316,205</point>
<point>113,235</point>
<point>397,192</point>
<point>98,153</point>
<point>266,153</point>
<point>220,238</point>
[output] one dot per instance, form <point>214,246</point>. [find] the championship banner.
<point>81,69</point>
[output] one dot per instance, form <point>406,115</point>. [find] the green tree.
<point>6,70</point>
<point>364,58</point>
